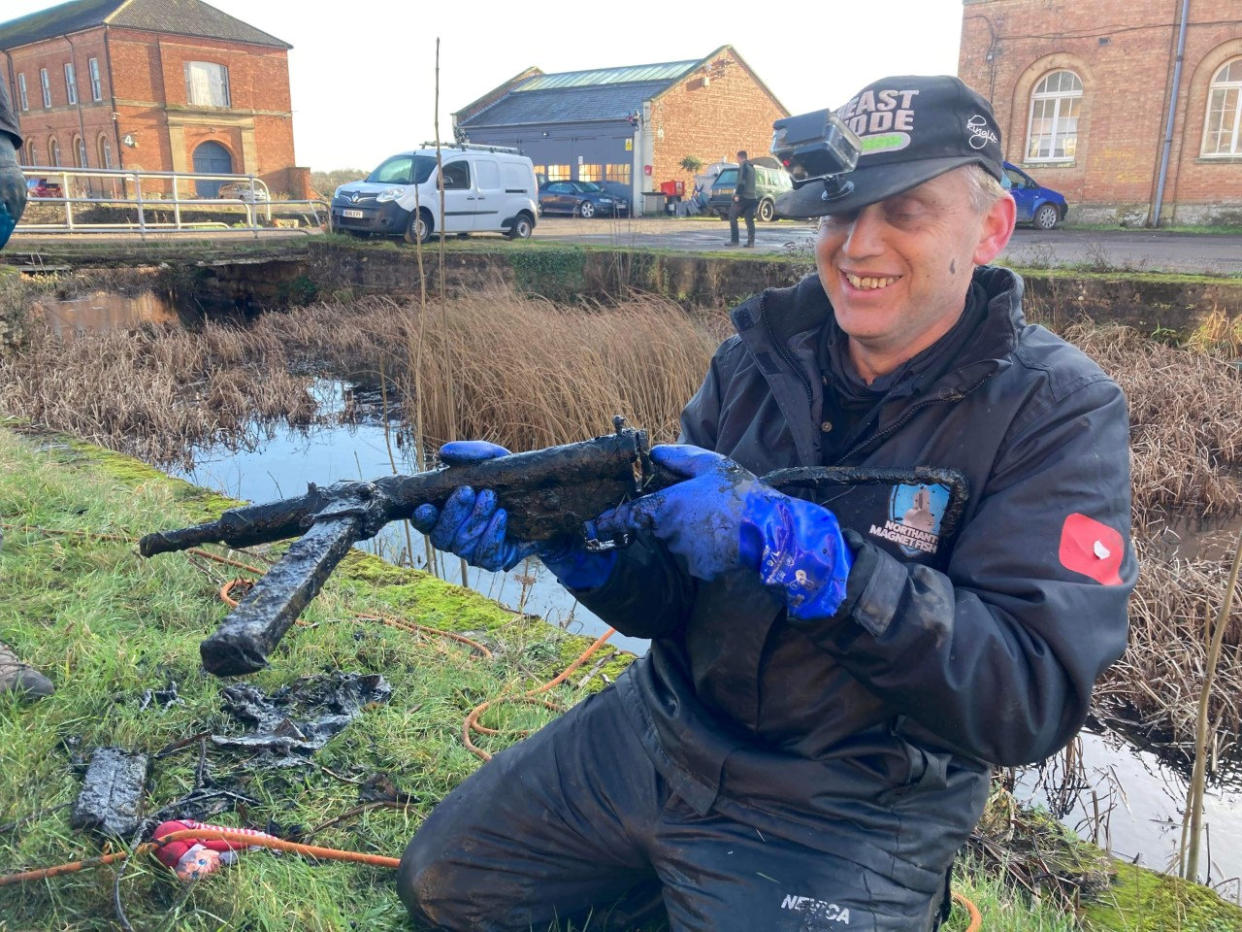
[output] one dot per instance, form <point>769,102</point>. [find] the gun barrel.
<point>239,527</point>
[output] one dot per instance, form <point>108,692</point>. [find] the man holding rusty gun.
<point>926,583</point>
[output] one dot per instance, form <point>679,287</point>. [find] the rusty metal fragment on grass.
<point>299,718</point>
<point>112,791</point>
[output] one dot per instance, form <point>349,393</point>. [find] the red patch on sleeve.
<point>1092,548</point>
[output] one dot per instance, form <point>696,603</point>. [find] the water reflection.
<point>1129,803</point>
<point>105,310</point>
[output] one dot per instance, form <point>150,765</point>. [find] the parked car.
<point>242,191</point>
<point>1037,205</point>
<point>771,180</point>
<point>583,198</point>
<point>41,187</point>
<point>486,189</point>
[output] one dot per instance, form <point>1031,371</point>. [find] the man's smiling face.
<point>897,271</point>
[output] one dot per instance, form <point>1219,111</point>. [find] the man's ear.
<point>997,227</point>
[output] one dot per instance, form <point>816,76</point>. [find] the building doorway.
<point>213,159</point>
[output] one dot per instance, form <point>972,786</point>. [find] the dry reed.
<point>527,373</point>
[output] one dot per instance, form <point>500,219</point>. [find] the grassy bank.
<point>119,635</point>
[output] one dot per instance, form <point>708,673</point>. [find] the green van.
<point>771,180</point>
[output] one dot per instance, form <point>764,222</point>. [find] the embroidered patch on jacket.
<point>1092,548</point>
<point>914,515</point>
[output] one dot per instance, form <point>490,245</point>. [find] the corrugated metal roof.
<point>566,105</point>
<point>666,72</point>
<point>178,17</point>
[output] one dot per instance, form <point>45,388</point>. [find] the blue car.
<point>582,198</point>
<point>1042,207</point>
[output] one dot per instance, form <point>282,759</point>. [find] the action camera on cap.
<point>815,146</point>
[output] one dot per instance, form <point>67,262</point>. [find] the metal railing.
<point>98,200</point>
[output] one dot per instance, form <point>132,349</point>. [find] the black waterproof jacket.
<point>957,647</point>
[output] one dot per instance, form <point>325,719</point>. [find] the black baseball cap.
<point>912,128</point>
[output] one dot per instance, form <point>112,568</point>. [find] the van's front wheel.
<point>522,227</point>
<point>766,211</point>
<point>418,230</point>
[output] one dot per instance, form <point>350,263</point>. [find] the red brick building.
<point>632,124</point>
<point>1083,89</point>
<point>160,85</point>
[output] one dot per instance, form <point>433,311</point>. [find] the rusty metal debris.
<point>112,790</point>
<point>299,718</point>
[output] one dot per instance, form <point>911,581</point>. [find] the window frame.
<point>92,69</point>
<point>104,145</point>
<point>23,98</point>
<point>1223,87</point>
<point>53,153</point>
<point>225,85</point>
<point>45,82</point>
<point>619,172</point>
<point>1056,135</point>
<point>71,83</point>
<point>80,155</point>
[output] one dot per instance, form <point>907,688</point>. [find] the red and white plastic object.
<point>195,858</point>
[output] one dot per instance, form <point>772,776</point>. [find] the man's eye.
<point>838,220</point>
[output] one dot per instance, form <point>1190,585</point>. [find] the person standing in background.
<point>745,200</point>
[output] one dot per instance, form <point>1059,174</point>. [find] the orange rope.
<point>976,919</point>
<point>472,720</point>
<point>249,839</point>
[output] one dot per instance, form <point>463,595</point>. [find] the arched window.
<point>1052,134</point>
<point>1222,130</point>
<point>54,151</point>
<point>32,153</point>
<point>105,151</point>
<point>79,152</point>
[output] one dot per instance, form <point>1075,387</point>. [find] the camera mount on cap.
<point>817,147</point>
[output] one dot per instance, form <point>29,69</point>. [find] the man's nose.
<point>865,234</point>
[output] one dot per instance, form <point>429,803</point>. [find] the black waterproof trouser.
<point>745,208</point>
<point>574,827</point>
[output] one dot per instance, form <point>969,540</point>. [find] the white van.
<point>486,189</point>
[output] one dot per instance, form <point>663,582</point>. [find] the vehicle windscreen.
<point>726,178</point>
<point>589,186</point>
<point>403,169</point>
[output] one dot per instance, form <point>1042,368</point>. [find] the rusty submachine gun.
<point>548,493</point>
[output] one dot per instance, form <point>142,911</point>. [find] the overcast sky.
<point>363,71</point>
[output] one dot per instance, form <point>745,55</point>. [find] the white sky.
<point>363,71</point>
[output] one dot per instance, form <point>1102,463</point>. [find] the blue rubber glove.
<point>722,518</point>
<point>474,527</point>
<point>12,189</point>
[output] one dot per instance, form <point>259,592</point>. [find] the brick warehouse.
<point>632,125</point>
<point>160,85</point>
<point>1083,89</point>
